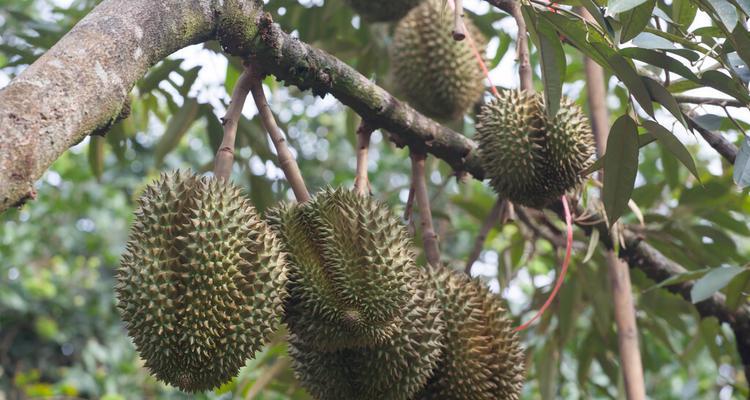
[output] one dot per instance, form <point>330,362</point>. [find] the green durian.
<point>349,259</point>
<point>395,370</point>
<point>202,282</point>
<point>438,76</point>
<point>383,10</point>
<point>482,358</point>
<point>529,158</point>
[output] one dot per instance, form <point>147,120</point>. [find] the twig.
<point>710,101</point>
<point>431,247</point>
<point>409,209</point>
<point>225,155</point>
<point>286,160</point>
<point>565,265</point>
<point>361,181</point>
<point>724,147</point>
<point>268,376</point>
<point>491,221</point>
<point>459,29</point>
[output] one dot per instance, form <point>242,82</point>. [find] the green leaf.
<point>742,165</point>
<point>683,12</point>
<point>741,41</point>
<point>619,6</point>
<point>629,76</point>
<point>553,65</point>
<point>712,282</point>
<point>680,278</point>
<point>660,60</point>
<point>648,40</point>
<point>662,96</point>
<point>620,167</point>
<point>727,13</point>
<point>668,140</point>
<point>177,127</point>
<point>634,21</point>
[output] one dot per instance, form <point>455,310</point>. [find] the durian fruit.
<point>437,75</point>
<point>530,158</point>
<point>482,358</point>
<point>202,282</point>
<point>383,10</point>
<point>395,370</point>
<point>349,259</point>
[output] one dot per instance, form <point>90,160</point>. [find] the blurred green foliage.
<point>60,334</point>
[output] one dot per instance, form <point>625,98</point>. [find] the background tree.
<point>684,236</point>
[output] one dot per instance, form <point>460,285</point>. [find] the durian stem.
<point>287,163</point>
<point>563,270</point>
<point>495,217</point>
<point>361,181</point>
<point>225,155</point>
<point>429,237</point>
<point>459,29</point>
<point>526,74</point>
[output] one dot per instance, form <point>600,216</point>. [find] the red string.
<point>482,65</point>
<point>564,270</point>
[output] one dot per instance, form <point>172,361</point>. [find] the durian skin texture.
<point>395,370</point>
<point>349,259</point>
<point>529,158</point>
<point>438,76</point>
<point>382,10</point>
<point>202,282</point>
<point>482,358</point>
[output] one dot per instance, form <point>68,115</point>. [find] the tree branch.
<point>490,222</point>
<point>525,71</point>
<point>429,237</point>
<point>709,101</point>
<point>286,160</point>
<point>225,154</point>
<point>81,84</point>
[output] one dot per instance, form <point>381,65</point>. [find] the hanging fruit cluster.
<point>205,281</point>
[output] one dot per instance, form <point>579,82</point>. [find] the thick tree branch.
<point>306,67</point>
<point>81,84</point>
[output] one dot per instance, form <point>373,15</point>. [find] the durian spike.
<point>563,270</point>
<point>286,161</point>
<point>225,155</point>
<point>362,181</point>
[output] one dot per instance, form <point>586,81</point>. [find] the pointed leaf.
<point>553,66</point>
<point>634,21</point>
<point>177,127</point>
<point>742,165</point>
<point>712,282</point>
<point>618,6</point>
<point>668,140</point>
<point>662,96</point>
<point>620,167</point>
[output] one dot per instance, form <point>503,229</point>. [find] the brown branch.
<point>429,237</point>
<point>709,101</point>
<point>490,222</point>
<point>619,274</point>
<point>525,72</point>
<point>225,154</point>
<point>722,146</point>
<point>286,160</point>
<point>361,181</point>
<point>306,67</point>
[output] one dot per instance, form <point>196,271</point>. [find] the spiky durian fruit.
<point>439,76</point>
<point>482,358</point>
<point>383,10</point>
<point>529,158</point>
<point>349,259</point>
<point>395,370</point>
<point>202,282</point>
